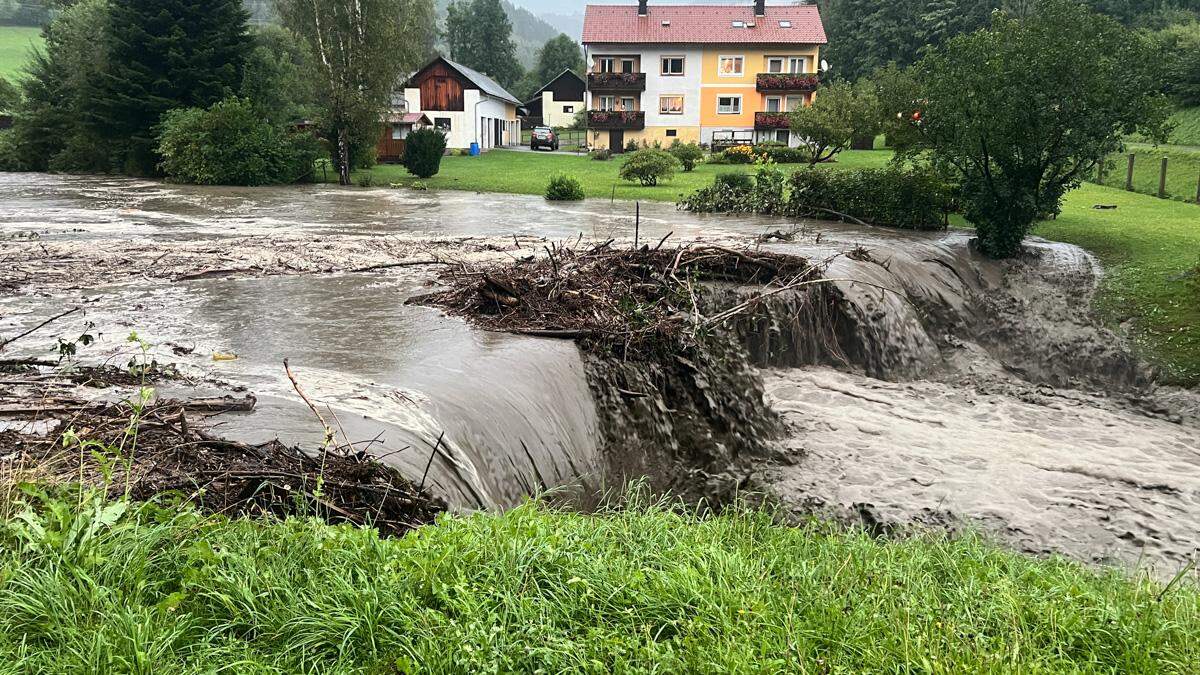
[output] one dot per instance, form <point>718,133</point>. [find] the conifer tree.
<point>166,54</point>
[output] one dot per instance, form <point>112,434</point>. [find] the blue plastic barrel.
<point>474,149</point>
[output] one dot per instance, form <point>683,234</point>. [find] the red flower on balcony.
<point>788,81</point>
<point>772,120</point>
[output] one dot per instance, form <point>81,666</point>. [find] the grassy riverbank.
<point>528,172</point>
<point>641,590</point>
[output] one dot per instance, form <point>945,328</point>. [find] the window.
<point>785,24</point>
<point>775,64</point>
<point>785,64</point>
<point>671,133</point>
<point>794,102</point>
<point>730,66</point>
<point>568,109</point>
<point>607,103</point>
<point>670,105</point>
<point>627,103</point>
<point>729,105</point>
<point>782,136</point>
<point>605,65</point>
<point>796,64</point>
<point>628,66</point>
<point>672,65</point>
<point>442,123</point>
<point>399,132</point>
<point>737,24</point>
<point>774,104</point>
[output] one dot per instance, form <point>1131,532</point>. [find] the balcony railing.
<point>771,120</point>
<point>617,119</point>
<point>616,81</point>
<point>788,81</point>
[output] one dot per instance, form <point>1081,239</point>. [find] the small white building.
<point>558,101</point>
<point>466,105</point>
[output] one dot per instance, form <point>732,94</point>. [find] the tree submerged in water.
<point>1022,111</point>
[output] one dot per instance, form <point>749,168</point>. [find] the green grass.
<point>1150,249</point>
<point>528,173</point>
<point>641,590</point>
<point>15,42</point>
<point>1183,170</point>
<point>1187,127</point>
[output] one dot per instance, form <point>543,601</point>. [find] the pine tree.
<point>166,54</point>
<point>479,35</point>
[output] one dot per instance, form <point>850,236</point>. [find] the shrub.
<point>767,196</point>
<point>687,154</point>
<point>564,188</point>
<point>909,199</point>
<point>423,150</point>
<point>601,155</point>
<point>230,144</point>
<point>730,193</point>
<point>740,154</point>
<point>782,154</point>
<point>648,166</point>
<point>841,113</point>
<point>366,180</point>
<point>735,179</point>
<point>631,145</point>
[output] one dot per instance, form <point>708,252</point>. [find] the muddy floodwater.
<point>963,393</point>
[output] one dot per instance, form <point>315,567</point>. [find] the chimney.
<point>760,7</point>
<point>643,9</point>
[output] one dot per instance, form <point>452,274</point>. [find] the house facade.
<point>557,102</point>
<point>466,105</point>
<point>712,74</point>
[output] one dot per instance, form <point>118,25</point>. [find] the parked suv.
<point>543,137</point>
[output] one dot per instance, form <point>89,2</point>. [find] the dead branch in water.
<point>5,343</point>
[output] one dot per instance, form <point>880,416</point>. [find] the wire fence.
<point>1164,173</point>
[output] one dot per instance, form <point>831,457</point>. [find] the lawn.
<point>527,173</point>
<point>1150,249</point>
<point>536,590</point>
<point>15,42</point>
<point>1183,170</point>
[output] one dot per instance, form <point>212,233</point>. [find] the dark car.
<point>543,137</point>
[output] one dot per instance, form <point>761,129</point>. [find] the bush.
<point>768,194</point>
<point>782,154</point>
<point>601,155</point>
<point>230,144</point>
<point>631,145</point>
<point>730,193</point>
<point>687,154</point>
<point>564,189</point>
<point>648,166</point>
<point>909,199</point>
<point>740,154</point>
<point>423,150</point>
<point>735,179</point>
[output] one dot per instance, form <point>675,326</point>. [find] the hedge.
<point>907,199</point>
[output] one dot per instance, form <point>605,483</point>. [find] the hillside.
<point>1187,127</point>
<point>529,32</point>
<point>15,42</point>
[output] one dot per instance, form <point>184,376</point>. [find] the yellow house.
<point>715,74</point>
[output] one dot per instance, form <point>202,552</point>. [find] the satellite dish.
<point>824,65</point>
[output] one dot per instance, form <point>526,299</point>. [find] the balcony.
<point>617,119</point>
<point>787,82</point>
<point>616,82</point>
<point>771,120</point>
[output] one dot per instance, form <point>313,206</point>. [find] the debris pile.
<point>160,447</point>
<point>628,302</point>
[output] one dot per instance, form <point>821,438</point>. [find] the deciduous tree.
<point>1021,112</point>
<point>839,113</point>
<point>359,51</point>
<point>479,35</point>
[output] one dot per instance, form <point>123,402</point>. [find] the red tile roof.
<point>709,24</point>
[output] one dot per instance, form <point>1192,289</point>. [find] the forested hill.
<point>529,32</point>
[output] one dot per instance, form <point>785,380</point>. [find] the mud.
<point>925,386</point>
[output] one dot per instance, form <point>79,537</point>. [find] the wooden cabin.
<point>397,125</point>
<point>466,105</point>
<point>557,102</point>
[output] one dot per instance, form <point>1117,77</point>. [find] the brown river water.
<point>962,393</point>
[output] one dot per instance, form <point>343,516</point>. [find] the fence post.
<point>1162,179</point>
<point>1198,190</point>
<point>1129,173</point>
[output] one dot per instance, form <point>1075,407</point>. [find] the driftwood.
<point>211,404</point>
<point>5,343</point>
